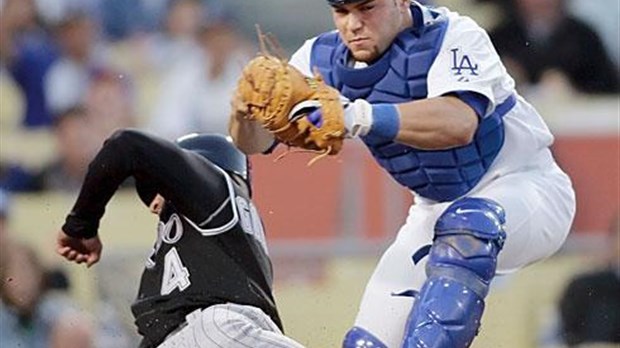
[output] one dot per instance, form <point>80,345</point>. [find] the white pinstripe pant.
<point>229,326</point>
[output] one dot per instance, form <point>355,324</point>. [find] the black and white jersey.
<point>210,246</point>
<point>194,265</point>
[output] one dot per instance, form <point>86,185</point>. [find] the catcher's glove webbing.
<point>278,96</point>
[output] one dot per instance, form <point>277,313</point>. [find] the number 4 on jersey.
<point>175,274</point>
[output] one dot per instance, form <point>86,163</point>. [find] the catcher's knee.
<point>468,235</point>
<point>462,261</point>
<point>358,337</point>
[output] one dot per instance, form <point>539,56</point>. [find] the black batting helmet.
<point>218,149</point>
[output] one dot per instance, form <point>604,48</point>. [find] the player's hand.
<point>239,109</point>
<point>357,118</point>
<point>78,250</point>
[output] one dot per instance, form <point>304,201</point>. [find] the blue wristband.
<point>385,121</point>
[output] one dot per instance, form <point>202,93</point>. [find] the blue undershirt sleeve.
<point>476,101</point>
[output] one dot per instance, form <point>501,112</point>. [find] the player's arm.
<point>462,84</point>
<point>184,178</point>
<point>436,123</point>
<point>249,136</point>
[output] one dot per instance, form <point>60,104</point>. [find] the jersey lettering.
<point>250,220</point>
<point>173,230</point>
<point>169,232</point>
<point>462,62</point>
<point>176,276</point>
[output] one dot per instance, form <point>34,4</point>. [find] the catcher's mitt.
<point>277,96</point>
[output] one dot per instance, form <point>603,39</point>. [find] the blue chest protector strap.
<point>462,261</point>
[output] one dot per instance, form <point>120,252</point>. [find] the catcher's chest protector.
<point>401,76</point>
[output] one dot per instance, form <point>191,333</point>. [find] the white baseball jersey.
<point>524,179</point>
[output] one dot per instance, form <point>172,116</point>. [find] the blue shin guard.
<point>360,338</point>
<point>462,262</point>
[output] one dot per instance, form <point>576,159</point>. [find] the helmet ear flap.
<point>219,150</point>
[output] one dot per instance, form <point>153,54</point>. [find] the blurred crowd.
<point>37,309</point>
<point>543,42</point>
<point>83,68</point>
<point>66,61</point>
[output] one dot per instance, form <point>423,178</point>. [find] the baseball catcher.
<point>431,100</point>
